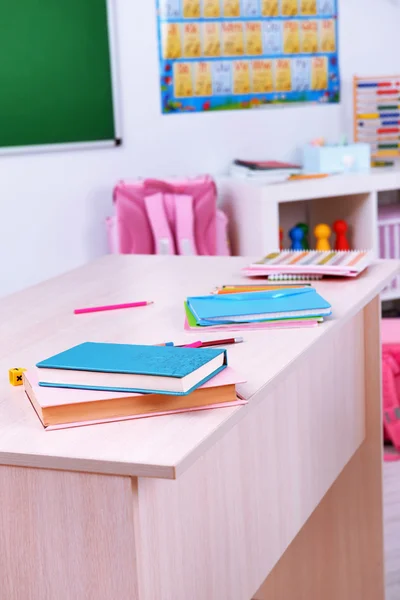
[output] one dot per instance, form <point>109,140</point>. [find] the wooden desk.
<point>205,506</point>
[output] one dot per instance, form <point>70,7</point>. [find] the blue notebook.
<point>258,306</point>
<point>132,368</point>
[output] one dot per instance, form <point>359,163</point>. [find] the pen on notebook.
<point>82,311</point>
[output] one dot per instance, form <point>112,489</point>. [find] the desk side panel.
<point>338,555</point>
<point>219,529</point>
<point>66,536</point>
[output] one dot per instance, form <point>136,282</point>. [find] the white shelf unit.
<point>256,211</point>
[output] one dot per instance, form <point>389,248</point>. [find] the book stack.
<point>267,171</point>
<point>98,382</point>
<point>278,308</point>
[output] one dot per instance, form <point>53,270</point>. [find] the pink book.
<point>58,408</point>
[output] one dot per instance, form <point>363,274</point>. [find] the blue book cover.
<point>127,359</point>
<point>257,306</point>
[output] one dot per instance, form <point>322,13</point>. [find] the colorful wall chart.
<point>234,54</point>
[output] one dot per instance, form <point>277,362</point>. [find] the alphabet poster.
<point>237,54</point>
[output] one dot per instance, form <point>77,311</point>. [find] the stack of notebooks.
<point>310,264</point>
<point>98,383</point>
<point>266,171</point>
<point>278,308</point>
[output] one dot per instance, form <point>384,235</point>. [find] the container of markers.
<point>336,159</point>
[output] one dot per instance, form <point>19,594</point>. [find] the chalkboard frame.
<point>115,139</point>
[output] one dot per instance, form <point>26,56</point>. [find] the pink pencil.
<point>82,311</point>
<point>193,345</point>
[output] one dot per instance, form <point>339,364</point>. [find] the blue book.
<point>258,306</point>
<point>132,368</point>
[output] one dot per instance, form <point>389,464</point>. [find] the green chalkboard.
<point>55,73</point>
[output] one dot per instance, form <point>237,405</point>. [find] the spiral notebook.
<point>306,264</point>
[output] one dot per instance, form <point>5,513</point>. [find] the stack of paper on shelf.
<point>300,307</point>
<point>96,383</point>
<point>266,171</point>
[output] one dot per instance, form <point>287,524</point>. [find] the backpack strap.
<point>184,226</point>
<point>163,238</point>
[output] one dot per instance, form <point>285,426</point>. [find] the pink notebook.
<point>53,397</point>
<point>301,323</point>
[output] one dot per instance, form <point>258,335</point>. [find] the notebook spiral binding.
<point>279,277</point>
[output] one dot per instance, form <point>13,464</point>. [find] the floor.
<point>392,529</point>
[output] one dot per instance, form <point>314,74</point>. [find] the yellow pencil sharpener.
<point>15,376</point>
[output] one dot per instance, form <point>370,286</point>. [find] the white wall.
<point>53,205</point>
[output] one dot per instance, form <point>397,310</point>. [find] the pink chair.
<point>391,383</point>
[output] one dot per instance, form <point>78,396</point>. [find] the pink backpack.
<point>168,217</point>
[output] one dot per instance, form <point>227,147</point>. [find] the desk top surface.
<point>39,322</point>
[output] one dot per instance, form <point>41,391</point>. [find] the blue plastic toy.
<point>297,236</point>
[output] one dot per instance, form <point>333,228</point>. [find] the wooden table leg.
<point>338,555</point>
